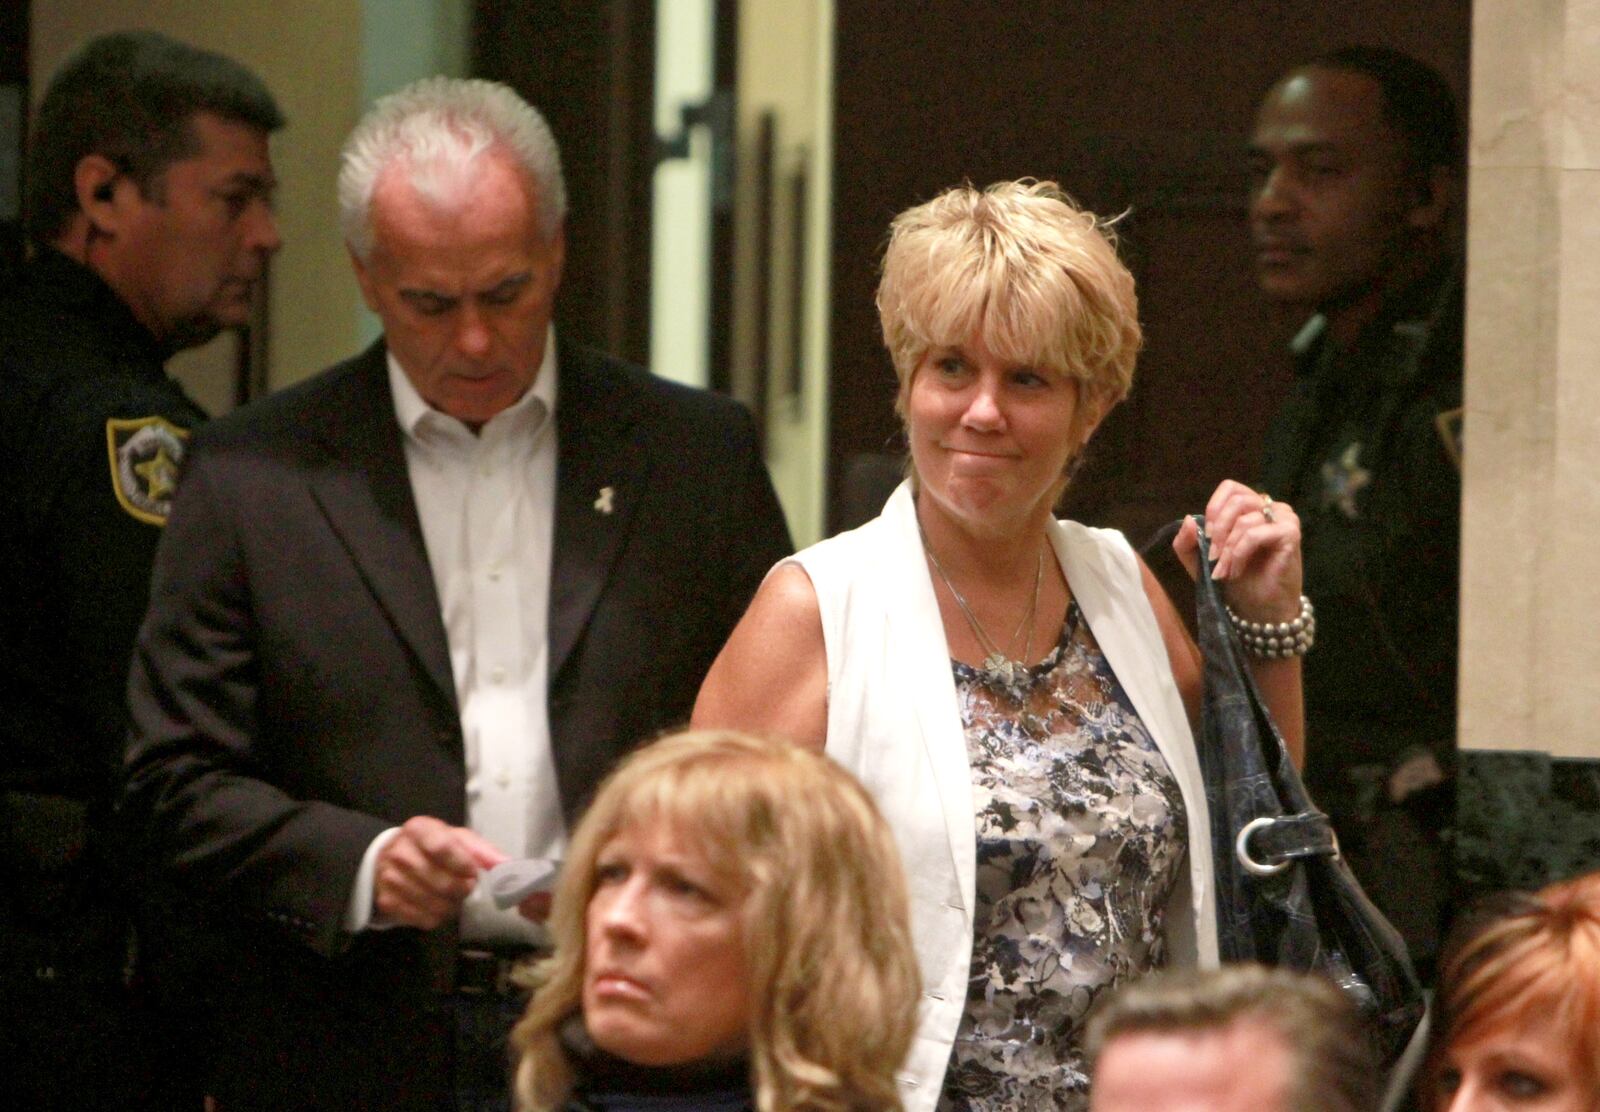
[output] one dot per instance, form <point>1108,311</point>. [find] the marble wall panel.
<point>1525,820</point>
<point>1513,281</point>
<point>1517,67</point>
<point>1580,85</point>
<point>1569,684</point>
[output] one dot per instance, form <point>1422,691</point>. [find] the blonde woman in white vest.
<point>1017,692</point>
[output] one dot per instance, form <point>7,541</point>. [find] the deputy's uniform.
<point>92,433</point>
<point>1368,450</point>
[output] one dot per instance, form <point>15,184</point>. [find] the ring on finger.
<point>1266,508</point>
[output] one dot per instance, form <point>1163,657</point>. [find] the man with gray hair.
<point>409,613</point>
<point>1242,1038</point>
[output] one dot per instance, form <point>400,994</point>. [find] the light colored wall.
<point>680,225</point>
<point>401,42</point>
<point>304,52</point>
<point>1530,654</point>
<point>786,66</point>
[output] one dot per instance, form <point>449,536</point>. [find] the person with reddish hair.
<point>1519,1005</point>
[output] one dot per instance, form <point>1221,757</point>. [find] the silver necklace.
<point>996,663</point>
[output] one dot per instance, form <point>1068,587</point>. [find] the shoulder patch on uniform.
<point>1449,425</point>
<point>146,453</point>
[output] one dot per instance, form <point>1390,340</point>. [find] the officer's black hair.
<point>131,97</point>
<point>1417,101</point>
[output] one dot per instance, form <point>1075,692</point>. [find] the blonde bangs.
<point>1018,265</point>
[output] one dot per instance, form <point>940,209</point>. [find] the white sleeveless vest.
<point>894,722</point>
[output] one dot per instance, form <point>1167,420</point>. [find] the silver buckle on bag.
<point>1241,848</point>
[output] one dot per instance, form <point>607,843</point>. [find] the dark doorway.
<point>13,128</point>
<point>590,69</point>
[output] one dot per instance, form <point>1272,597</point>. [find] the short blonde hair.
<point>1518,956</point>
<point>1024,267</point>
<point>833,978</point>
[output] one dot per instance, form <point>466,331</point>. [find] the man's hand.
<point>425,872</point>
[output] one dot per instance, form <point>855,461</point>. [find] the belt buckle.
<point>477,972</point>
<point>484,972</point>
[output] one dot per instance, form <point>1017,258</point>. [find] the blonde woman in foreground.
<point>730,934</point>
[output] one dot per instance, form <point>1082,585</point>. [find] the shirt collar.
<point>535,405</point>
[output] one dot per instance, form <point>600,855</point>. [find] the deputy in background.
<point>148,205</point>
<point>1356,161</point>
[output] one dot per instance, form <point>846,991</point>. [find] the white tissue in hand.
<point>511,882</point>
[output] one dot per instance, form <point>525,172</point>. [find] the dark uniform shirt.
<point>1367,449</point>
<point>91,435</point>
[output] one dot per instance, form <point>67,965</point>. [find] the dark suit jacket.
<point>292,696</point>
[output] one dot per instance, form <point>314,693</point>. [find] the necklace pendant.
<point>1002,669</point>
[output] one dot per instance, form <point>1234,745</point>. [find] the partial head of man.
<point>149,164</point>
<point>453,208</point>
<point>1356,166</point>
<point>1242,1038</point>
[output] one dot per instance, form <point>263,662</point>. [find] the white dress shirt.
<point>486,503</point>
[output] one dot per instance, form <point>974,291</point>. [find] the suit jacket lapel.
<point>366,494</point>
<point>601,462</point>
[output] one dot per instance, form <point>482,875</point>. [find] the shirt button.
<point>504,779</point>
<point>494,573</point>
<point>497,674</point>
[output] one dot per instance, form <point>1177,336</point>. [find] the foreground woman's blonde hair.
<point>832,978</point>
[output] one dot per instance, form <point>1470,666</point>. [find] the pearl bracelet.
<point>1277,640</point>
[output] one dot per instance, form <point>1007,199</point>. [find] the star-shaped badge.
<point>1343,480</point>
<point>160,474</point>
<point>146,456</point>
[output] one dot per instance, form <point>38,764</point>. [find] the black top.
<point>605,1083</point>
<point>93,431</point>
<point>1367,449</point>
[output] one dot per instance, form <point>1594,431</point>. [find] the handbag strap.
<point>1269,827</point>
<point>1283,897</point>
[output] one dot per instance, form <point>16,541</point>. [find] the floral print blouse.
<point>1080,838</point>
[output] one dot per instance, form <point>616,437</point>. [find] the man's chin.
<point>198,332</point>
<point>1286,286</point>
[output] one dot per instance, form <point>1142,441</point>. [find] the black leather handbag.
<point>1285,896</point>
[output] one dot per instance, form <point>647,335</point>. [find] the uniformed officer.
<point>1356,158</point>
<point>148,204</point>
